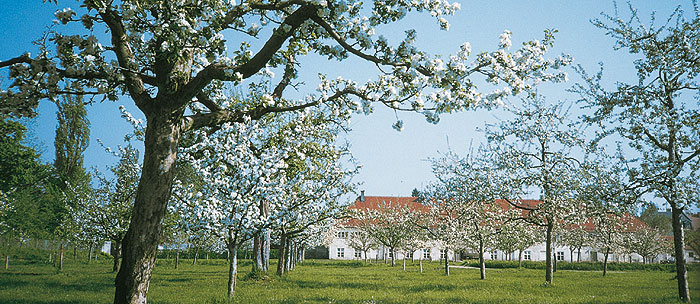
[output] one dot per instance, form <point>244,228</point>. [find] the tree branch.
<point>227,73</point>
<point>24,58</point>
<point>125,57</point>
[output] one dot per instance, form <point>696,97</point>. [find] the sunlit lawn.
<point>342,282</point>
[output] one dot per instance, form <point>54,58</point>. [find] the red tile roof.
<point>375,202</point>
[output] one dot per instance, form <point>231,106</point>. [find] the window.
<point>409,254</point>
<point>558,238</point>
<point>443,253</point>
<point>560,255</point>
<point>527,255</point>
<point>358,254</point>
<point>342,234</point>
<point>426,253</point>
<point>494,255</point>
<point>341,252</point>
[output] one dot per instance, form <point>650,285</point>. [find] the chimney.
<point>362,195</point>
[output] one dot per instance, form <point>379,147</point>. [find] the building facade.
<point>339,249</point>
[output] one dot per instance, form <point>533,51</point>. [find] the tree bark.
<point>266,250</point>
<point>482,262</point>
<point>60,262</point>
<point>154,189</point>
<point>258,264</point>
<point>605,261</point>
<point>393,257</point>
<point>288,258</point>
<point>571,252</point>
<point>520,258</point>
<point>549,273</point>
<point>447,264</point>
<point>678,246</point>
<point>115,251</point>
<point>404,262</point>
<point>578,259</point>
<point>196,253</point>
<point>282,254</point>
<point>232,268</point>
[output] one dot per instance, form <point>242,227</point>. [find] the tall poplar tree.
<point>72,138</point>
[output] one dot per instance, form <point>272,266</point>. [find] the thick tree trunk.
<point>115,251</point>
<point>678,247</point>
<point>554,262</point>
<point>232,268</point>
<point>152,195</point>
<point>605,261</point>
<point>282,254</point>
<point>549,273</point>
<point>482,262</point>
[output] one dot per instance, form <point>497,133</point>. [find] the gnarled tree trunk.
<point>142,237</point>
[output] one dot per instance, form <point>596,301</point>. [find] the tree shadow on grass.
<point>21,301</point>
<point>321,285</point>
<point>90,286</point>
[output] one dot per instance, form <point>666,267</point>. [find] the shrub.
<point>590,266</point>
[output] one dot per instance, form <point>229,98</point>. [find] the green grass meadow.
<point>323,281</point>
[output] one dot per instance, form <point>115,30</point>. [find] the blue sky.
<point>393,162</point>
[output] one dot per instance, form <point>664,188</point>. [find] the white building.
<point>340,250</point>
